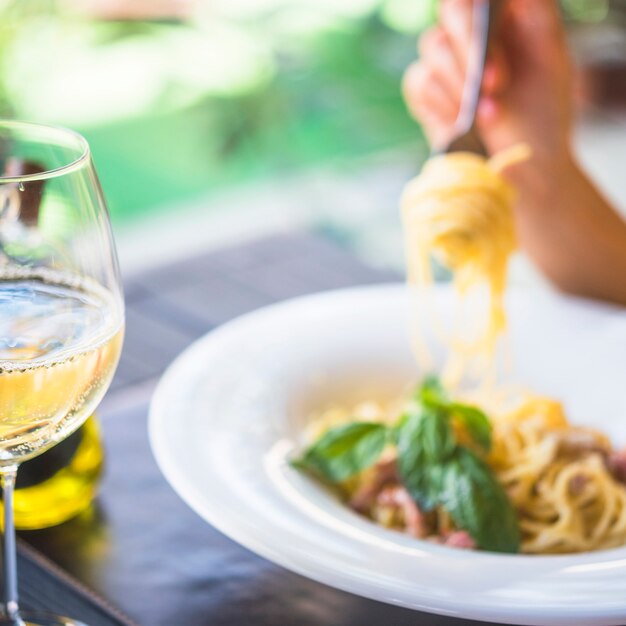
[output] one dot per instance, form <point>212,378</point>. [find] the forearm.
<point>571,231</point>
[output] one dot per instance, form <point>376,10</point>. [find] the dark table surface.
<point>141,547</point>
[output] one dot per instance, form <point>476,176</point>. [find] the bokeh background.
<point>214,120</point>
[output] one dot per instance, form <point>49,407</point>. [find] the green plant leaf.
<point>476,423</point>
<point>431,392</point>
<point>345,450</point>
<point>478,503</point>
<point>424,441</point>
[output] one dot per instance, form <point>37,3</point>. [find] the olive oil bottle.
<point>62,482</point>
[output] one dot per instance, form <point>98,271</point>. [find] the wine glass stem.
<point>11,617</point>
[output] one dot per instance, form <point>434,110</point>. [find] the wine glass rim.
<point>56,171</point>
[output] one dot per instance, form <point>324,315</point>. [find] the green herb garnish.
<point>433,466</point>
<point>345,451</point>
<point>478,503</point>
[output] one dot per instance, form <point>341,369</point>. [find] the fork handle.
<point>485,14</point>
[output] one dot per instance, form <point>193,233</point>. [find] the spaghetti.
<point>460,211</point>
<point>559,478</point>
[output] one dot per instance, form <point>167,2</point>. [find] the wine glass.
<point>61,309</point>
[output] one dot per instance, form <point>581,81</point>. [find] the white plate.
<point>230,410</point>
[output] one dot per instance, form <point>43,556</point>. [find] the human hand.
<point>563,222</point>
<point>526,91</point>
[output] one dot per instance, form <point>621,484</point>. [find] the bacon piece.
<point>459,539</point>
<point>579,442</point>
<point>383,474</point>
<point>617,464</point>
<point>577,484</point>
<point>398,496</point>
<point>454,539</point>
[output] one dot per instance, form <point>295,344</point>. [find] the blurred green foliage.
<point>586,10</point>
<point>173,110</point>
<point>176,109</point>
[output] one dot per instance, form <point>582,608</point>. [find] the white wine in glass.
<point>61,309</point>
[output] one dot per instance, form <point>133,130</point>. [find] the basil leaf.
<point>425,485</point>
<point>424,441</point>
<point>345,450</point>
<point>427,433</point>
<point>431,392</point>
<point>476,423</point>
<point>478,503</point>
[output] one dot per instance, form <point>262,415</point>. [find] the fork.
<point>466,137</point>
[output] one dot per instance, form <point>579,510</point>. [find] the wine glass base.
<point>38,618</point>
